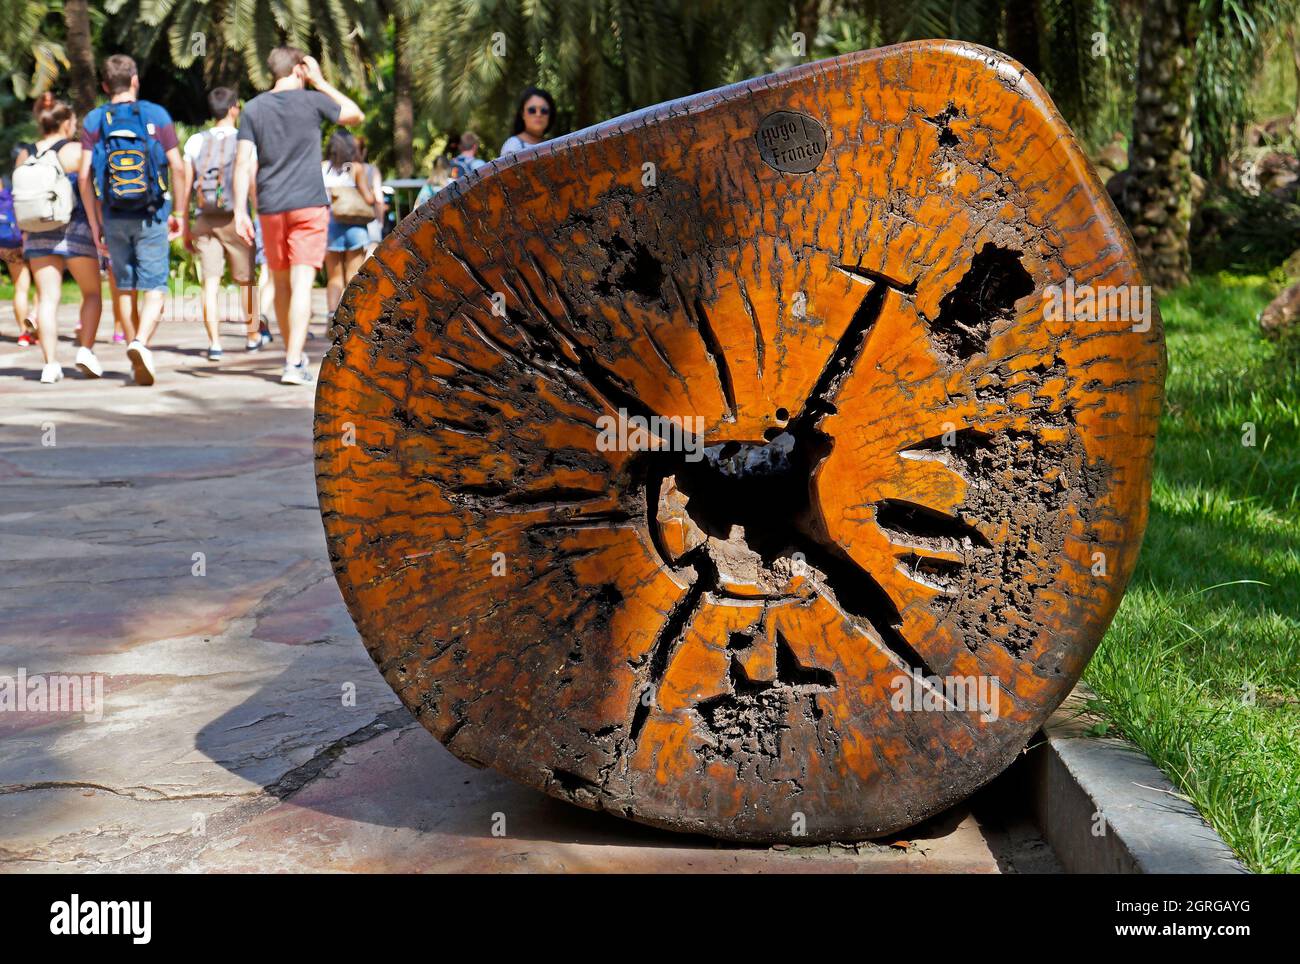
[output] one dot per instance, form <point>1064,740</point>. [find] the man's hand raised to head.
<point>312,73</point>
<point>349,113</point>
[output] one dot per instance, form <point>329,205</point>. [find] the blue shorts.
<point>140,252</point>
<point>347,237</point>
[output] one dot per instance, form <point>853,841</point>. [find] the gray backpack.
<point>214,174</point>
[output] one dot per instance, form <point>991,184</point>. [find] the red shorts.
<point>295,237</point>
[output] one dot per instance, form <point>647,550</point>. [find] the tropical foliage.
<point>427,70</point>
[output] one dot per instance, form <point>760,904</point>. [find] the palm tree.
<point>31,56</point>
<point>81,56</point>
<point>404,12</point>
<point>470,58</point>
<point>226,33</point>
<point>1158,194</point>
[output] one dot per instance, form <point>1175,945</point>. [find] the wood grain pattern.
<point>910,466</point>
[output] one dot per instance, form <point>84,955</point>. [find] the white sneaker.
<point>51,373</point>
<point>141,362</point>
<point>88,363</point>
<point>297,374</point>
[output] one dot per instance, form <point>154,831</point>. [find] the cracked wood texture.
<point>904,467</point>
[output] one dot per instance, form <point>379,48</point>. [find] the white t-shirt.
<point>514,143</point>
<point>194,144</point>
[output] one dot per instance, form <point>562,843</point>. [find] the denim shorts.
<point>347,237</point>
<point>140,252</point>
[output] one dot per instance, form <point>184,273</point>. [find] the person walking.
<point>129,149</point>
<point>45,193</point>
<point>210,167</point>
<point>11,251</point>
<point>283,126</point>
<point>351,199</point>
<point>467,160</point>
<point>374,227</point>
<point>533,120</point>
<point>440,175</point>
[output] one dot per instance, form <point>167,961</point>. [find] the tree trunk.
<point>81,57</point>
<point>806,18</point>
<point>403,108</point>
<point>1158,195</point>
<point>1024,27</point>
<point>892,460</point>
<point>223,66</point>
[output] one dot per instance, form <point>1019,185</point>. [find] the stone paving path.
<point>243,726</point>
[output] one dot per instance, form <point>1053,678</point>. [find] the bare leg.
<point>352,262</point>
<point>151,308</point>
<point>211,317</point>
<point>85,271</point>
<point>115,301</point>
<point>283,296</point>
<point>124,311</point>
<point>265,293</point>
<point>301,279</point>
<point>22,278</point>
<point>333,278</point>
<point>48,273</point>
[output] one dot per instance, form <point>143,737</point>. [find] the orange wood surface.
<point>909,465</point>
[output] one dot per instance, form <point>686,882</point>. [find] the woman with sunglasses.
<point>533,120</point>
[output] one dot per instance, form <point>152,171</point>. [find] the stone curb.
<point>1149,828</point>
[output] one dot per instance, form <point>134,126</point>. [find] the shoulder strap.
<point>53,149</point>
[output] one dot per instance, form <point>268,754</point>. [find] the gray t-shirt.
<point>285,128</point>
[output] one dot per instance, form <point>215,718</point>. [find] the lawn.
<point>71,296</point>
<point>1201,667</point>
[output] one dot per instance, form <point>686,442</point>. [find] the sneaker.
<point>141,359</point>
<point>119,338</point>
<point>51,373</point>
<point>264,331</point>
<point>254,343</point>
<point>88,363</point>
<point>27,338</point>
<point>299,374</point>
<point>214,353</point>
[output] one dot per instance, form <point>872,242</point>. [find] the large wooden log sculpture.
<point>707,465</point>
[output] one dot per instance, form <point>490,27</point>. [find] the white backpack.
<point>42,192</point>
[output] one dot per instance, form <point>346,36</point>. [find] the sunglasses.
<point>538,110</point>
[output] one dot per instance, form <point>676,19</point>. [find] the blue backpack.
<point>10,235</point>
<point>128,161</point>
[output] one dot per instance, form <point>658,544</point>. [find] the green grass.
<point>71,295</point>
<point>1201,667</point>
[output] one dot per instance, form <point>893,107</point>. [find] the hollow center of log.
<point>742,516</point>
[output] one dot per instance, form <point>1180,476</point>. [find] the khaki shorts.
<point>217,244</point>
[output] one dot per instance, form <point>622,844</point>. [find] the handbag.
<point>348,206</point>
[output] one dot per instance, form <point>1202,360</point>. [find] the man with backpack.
<point>281,128</point>
<point>210,168</point>
<point>130,145</point>
<point>467,161</point>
